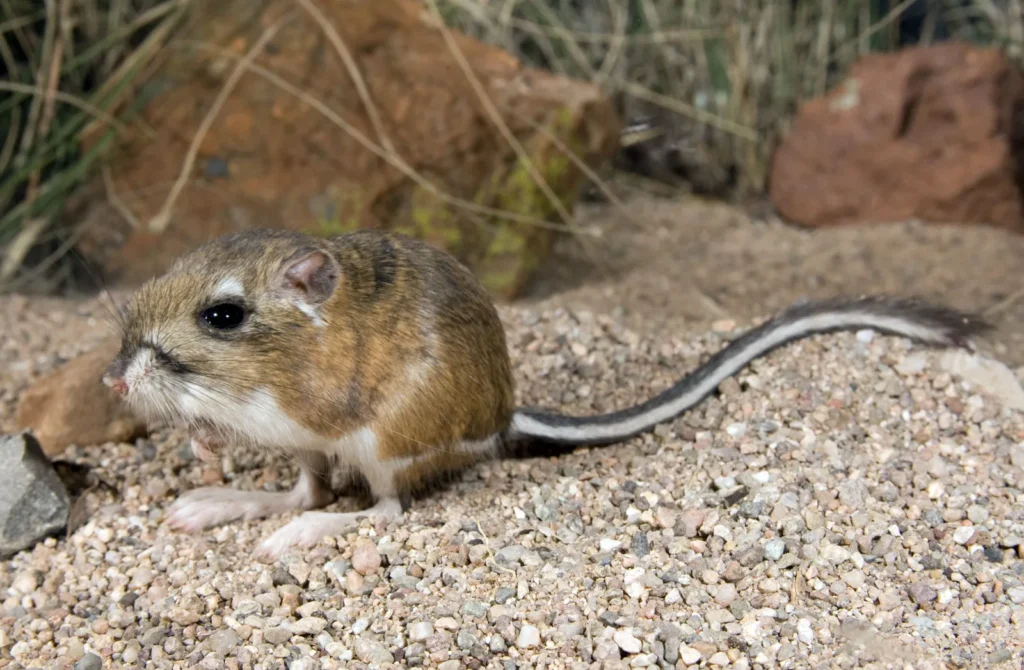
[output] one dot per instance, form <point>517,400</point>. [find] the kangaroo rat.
<point>383,354</point>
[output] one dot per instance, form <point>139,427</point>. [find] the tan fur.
<point>411,345</point>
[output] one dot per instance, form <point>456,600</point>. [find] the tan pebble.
<point>76,650</point>
<point>212,476</point>
<point>353,582</point>
<point>366,558</point>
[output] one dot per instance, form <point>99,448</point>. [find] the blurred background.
<point>675,160</point>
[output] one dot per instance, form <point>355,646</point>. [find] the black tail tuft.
<point>957,327</point>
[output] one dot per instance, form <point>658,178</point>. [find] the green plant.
<point>70,72</point>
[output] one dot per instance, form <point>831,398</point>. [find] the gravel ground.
<point>678,265</point>
<point>843,502</point>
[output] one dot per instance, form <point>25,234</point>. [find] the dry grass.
<point>68,68</point>
<point>724,76</point>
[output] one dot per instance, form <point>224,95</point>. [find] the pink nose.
<point>118,384</point>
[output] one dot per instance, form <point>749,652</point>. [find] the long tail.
<point>929,324</point>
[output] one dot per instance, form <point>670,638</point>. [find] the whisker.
<point>113,309</point>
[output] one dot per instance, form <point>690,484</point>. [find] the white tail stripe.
<point>527,425</point>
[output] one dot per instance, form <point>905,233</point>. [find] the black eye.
<point>223,316</point>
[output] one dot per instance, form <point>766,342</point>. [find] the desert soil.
<point>844,502</point>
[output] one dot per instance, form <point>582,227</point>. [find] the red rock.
<point>927,133</point>
<point>273,159</point>
<point>72,406</point>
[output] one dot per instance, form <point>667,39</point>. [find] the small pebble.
<point>921,593</point>
<point>977,514</point>
<point>366,558</point>
<point>773,549</point>
<point>608,545</point>
<point>692,519</point>
<point>640,545</point>
<point>89,662</point>
<point>223,642</point>
<point>420,631</point>
<point>855,578</point>
<point>804,633</point>
<point>1016,594</point>
<point>689,655</point>
<point>627,642</point>
<point>529,637</point>
<point>963,534</point>
<point>504,594</point>
<point>993,554</point>
<point>311,625</point>
<point>276,635</point>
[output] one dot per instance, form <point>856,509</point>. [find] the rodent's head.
<point>197,342</point>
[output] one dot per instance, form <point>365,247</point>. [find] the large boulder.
<point>278,157</point>
<point>931,133</point>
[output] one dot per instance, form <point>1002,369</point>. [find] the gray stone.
<point>1000,656</point>
<point>750,556</point>
<point>977,514</point>
<point>921,593</point>
<point>1016,595</point>
<point>153,637</point>
<point>475,608</point>
<point>751,509</point>
<point>310,625</point>
<point>933,517</point>
<point>283,577</point>
<point>510,555</point>
<point>641,547</point>
<point>465,639</point>
<point>276,635</point>
<point>887,492</point>
<point>672,644</point>
<point>89,662</point>
<point>774,548</point>
<point>33,501</point>
<point>371,652</point>
<point>223,642</point>
<point>504,594</point>
<point>852,493</point>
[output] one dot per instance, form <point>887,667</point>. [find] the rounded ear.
<point>313,273</point>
